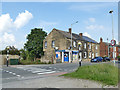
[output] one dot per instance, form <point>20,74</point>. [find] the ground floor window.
<point>85,55</point>
<point>89,54</point>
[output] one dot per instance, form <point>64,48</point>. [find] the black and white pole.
<point>7,55</point>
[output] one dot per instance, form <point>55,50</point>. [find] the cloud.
<point>93,27</point>
<point>22,19</point>
<point>8,38</point>
<point>6,23</point>
<point>86,34</point>
<point>8,26</point>
<point>92,20</point>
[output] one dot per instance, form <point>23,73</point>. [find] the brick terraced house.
<point>106,48</point>
<point>57,47</point>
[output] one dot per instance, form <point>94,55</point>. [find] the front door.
<point>66,57</point>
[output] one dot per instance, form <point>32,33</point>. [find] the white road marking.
<point>50,67</point>
<point>7,71</point>
<point>46,72</point>
<point>10,72</point>
<point>18,75</point>
<point>41,71</point>
<point>14,73</point>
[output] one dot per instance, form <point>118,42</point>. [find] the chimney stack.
<point>101,40</point>
<point>70,30</point>
<point>81,34</point>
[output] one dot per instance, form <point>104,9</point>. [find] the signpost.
<point>113,43</point>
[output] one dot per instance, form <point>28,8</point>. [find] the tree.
<point>34,44</point>
<point>12,51</point>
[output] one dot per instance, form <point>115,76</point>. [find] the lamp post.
<point>111,12</point>
<point>7,55</point>
<point>71,38</point>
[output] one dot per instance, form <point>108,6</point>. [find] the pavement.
<point>45,76</point>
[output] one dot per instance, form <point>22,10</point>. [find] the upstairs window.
<point>74,44</point>
<point>96,47</point>
<point>85,45</point>
<point>53,44</point>
<point>45,44</point>
<point>90,46</point>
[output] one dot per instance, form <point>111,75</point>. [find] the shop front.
<point>66,55</point>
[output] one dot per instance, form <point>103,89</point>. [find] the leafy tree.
<point>12,51</point>
<point>34,44</point>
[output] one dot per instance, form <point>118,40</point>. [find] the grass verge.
<point>107,74</point>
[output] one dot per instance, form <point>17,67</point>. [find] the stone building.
<point>106,49</point>
<point>57,47</point>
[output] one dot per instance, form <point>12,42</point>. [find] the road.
<point>40,76</point>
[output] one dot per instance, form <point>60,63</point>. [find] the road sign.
<point>113,42</point>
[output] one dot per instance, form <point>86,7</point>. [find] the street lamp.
<point>7,55</point>
<point>71,38</point>
<point>111,12</point>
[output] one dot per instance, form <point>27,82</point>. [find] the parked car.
<point>97,59</point>
<point>106,59</point>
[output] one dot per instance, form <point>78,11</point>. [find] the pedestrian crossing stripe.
<point>46,72</point>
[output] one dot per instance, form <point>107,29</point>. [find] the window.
<point>90,55</point>
<point>90,46</point>
<point>85,55</point>
<point>74,44</point>
<point>53,44</point>
<point>96,46</point>
<point>96,54</point>
<point>45,44</point>
<point>85,45</point>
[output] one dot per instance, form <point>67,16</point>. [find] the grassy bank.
<point>104,73</point>
<point>28,62</point>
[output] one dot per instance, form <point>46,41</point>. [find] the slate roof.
<point>76,36</point>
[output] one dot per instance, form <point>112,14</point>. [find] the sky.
<point>94,20</point>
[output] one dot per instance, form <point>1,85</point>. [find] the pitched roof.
<point>76,36</point>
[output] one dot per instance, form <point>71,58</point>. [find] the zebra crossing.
<point>39,71</point>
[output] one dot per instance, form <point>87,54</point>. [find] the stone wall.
<point>3,58</point>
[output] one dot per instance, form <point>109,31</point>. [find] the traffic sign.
<point>113,42</point>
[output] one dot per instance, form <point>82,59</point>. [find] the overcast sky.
<point>93,18</point>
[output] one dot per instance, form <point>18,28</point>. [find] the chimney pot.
<point>81,34</point>
<point>70,30</point>
<point>101,39</point>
